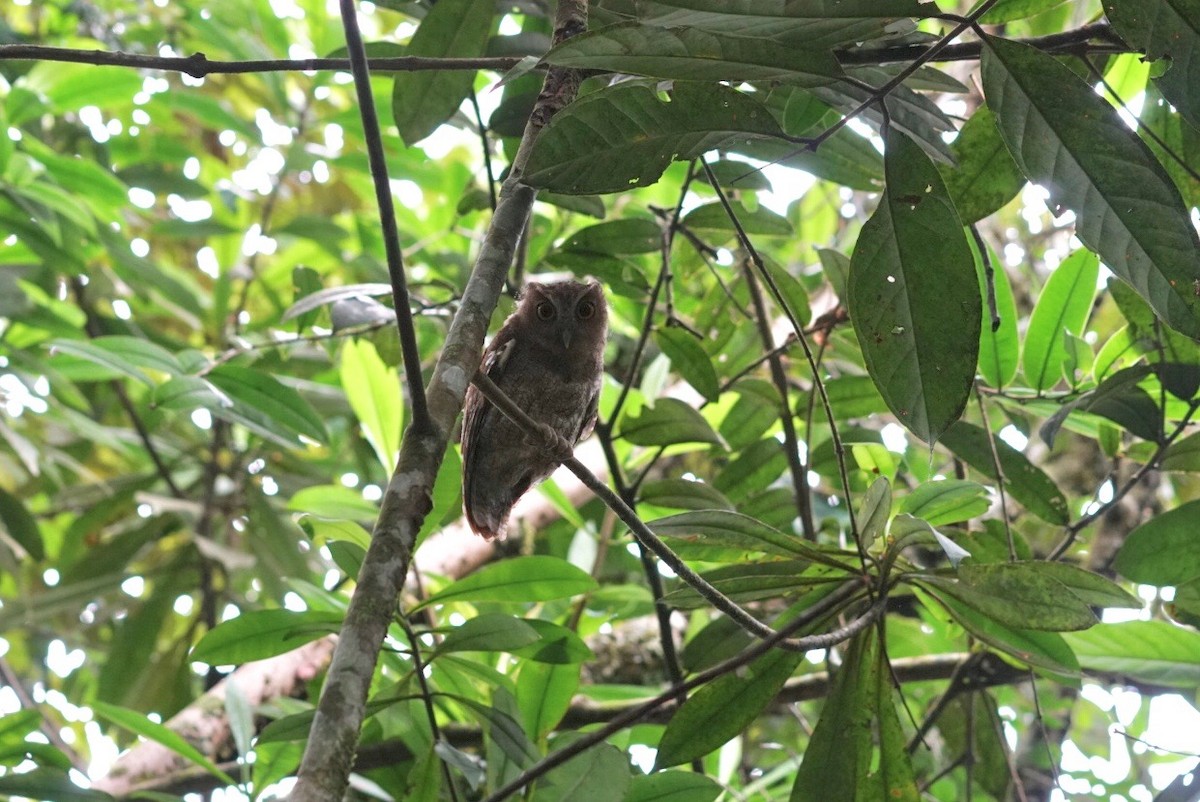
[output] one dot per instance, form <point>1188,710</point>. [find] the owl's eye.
<point>546,311</point>
<point>585,310</point>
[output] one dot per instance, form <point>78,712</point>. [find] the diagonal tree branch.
<point>329,755</point>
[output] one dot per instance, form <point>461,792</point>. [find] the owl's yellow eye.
<point>546,311</point>
<point>585,310</point>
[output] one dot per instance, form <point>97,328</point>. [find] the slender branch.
<point>639,529</point>
<point>329,753</point>
<point>1000,477</point>
<point>1087,520</point>
<point>838,448</point>
<point>387,217</point>
<point>486,148</point>
<point>198,65</point>
<point>797,466</point>
<point>634,714</point>
<point>426,696</point>
<point>45,725</point>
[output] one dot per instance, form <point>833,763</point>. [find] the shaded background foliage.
<point>201,402</point>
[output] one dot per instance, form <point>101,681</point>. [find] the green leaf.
<point>727,530</point>
<point>634,235</point>
<point>600,774</point>
<point>689,54</point>
<point>129,356</point>
<point>682,494</point>
<point>1023,480</point>
<point>723,708</point>
<point>21,526</point>
<point>1165,29</point>
<point>45,783</point>
<point>689,358</point>
<point>624,136</point>
<point>986,177</point>
<point>490,632</point>
<point>668,422</point>
<point>1009,10</point>
<point>423,100</point>
<point>1088,587</point>
<point>914,297</point>
<point>1183,455</point>
<point>1046,650</point>
<point>1064,305</point>
<point>1067,138</point>
<point>762,221</point>
<point>946,501</point>
<point>373,390</point>
<point>1153,652</point>
<point>1117,398</point>
<point>999,348</point>
<point>544,693</point>
<point>838,756</point>
<point>335,502</point>
<point>746,582</point>
<point>259,634</point>
<point>1163,550</point>
<point>521,579</point>
<point>875,511</point>
<point>138,724</point>
<point>815,24</point>
<point>1016,595</point>
<point>556,644</point>
<point>673,786</point>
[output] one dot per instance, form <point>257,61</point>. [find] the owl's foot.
<point>556,445</point>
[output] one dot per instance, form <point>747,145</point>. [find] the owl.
<point>548,357</point>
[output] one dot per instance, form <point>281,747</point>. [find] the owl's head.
<point>566,316</point>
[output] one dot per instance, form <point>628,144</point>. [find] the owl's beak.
<point>566,337</point>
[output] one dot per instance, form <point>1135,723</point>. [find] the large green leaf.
<point>1147,651</point>
<point>1064,305</point>
<point>19,525</point>
<point>691,54</point>
<point>816,24</point>
<point>373,390</point>
<point>1165,29</point>
<point>733,531</point>
<point>668,422</point>
<point>1127,209</point>
<point>720,710</point>
<point>1163,551</point>
<point>625,136</point>
<point>1017,595</point>
<point>137,723</point>
<point>838,757</point>
<point>673,786</point>
<point>1023,480</point>
<point>914,298</point>
<point>424,99</point>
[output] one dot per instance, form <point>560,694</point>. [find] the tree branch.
<point>329,755</point>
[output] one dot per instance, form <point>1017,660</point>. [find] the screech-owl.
<point>548,357</point>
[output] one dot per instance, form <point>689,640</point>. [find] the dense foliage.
<point>898,428</point>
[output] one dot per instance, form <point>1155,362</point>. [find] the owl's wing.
<point>477,408</point>
<point>589,417</point>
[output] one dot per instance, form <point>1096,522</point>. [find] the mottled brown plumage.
<point>548,357</point>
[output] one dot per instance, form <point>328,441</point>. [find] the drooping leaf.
<point>945,502</point>
<point>673,786</point>
<point>690,359</point>
<point>373,390</point>
<point>21,526</point>
<point>914,297</point>
<point>424,99</point>
<point>1016,595</point>
<point>1064,305</point>
<point>986,177</point>
<point>489,632</point>
<point>625,136</point>
<point>1063,136</point>
<point>721,709</point>
<point>137,723</point>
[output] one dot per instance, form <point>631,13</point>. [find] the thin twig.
<point>426,696</point>
<point>806,619</point>
<point>639,529</point>
<point>387,217</point>
<point>838,448</point>
<point>1000,478</point>
<point>486,147</point>
<point>1073,529</point>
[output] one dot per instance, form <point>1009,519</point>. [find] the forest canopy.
<point>892,491</point>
